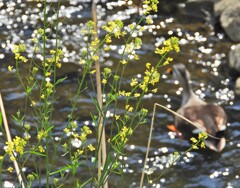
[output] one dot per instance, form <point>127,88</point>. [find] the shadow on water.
<point>203,50</point>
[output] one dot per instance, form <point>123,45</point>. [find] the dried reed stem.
<point>101,130</point>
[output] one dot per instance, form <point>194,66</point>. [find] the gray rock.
<point>222,5</point>
<point>237,86</point>
<point>234,57</point>
<point>230,21</point>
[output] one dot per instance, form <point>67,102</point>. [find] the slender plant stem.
<point>148,146</point>
<point>101,130</point>
<point>45,110</point>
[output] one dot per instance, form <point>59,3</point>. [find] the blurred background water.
<point>204,49</point>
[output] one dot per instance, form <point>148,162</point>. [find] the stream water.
<point>203,49</point>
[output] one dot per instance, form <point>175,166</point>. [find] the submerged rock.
<point>234,64</point>
<point>222,5</point>
<point>234,57</point>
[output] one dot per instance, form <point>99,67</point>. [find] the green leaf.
<point>60,170</point>
<point>29,89</point>
<point>60,80</point>
<point>36,153</point>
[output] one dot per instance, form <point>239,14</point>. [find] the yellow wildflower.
<point>91,148</point>
<point>154,90</point>
<point>66,130</point>
<point>10,68</point>
<point>134,82</point>
<point>86,130</point>
<point>79,152</point>
<point>82,61</point>
<point>124,62</point>
<point>93,72</point>
<point>48,74</point>
<point>41,149</point>
<point>136,94</point>
<point>108,39</point>
<point>95,57</point>
<point>83,137</point>
<point>41,134</point>
<point>148,65</point>
<point>33,103</point>
<point>130,109</point>
<point>10,169</point>
<point>104,81</point>
<point>149,20</point>
<point>117,117</point>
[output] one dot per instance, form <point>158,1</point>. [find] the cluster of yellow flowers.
<point>42,134</point>
<point>150,5</point>
<point>169,45</point>
<point>125,133</point>
<point>17,49</point>
<point>115,28</point>
<point>106,74</point>
<point>56,58</point>
<point>16,146</point>
<point>199,142</point>
<point>151,77</point>
<point>85,131</point>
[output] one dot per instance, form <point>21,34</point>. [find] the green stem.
<point>45,106</point>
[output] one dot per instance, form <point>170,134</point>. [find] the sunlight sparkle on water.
<point>159,41</point>
<point>76,143</point>
<point>8,184</point>
<point>170,32</point>
<point>163,149</point>
<point>2,56</point>
<point>132,146</point>
<point>171,134</point>
<point>179,91</point>
<point>225,94</point>
<point>205,50</point>
<point>200,92</point>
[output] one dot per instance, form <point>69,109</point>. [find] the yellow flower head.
<point>134,82</point>
<point>91,148</point>
<point>10,68</point>
<point>41,149</point>
<point>10,169</point>
<point>104,81</point>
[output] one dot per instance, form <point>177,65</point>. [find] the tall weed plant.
<point>36,148</point>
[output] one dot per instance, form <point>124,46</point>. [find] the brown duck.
<point>210,118</point>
